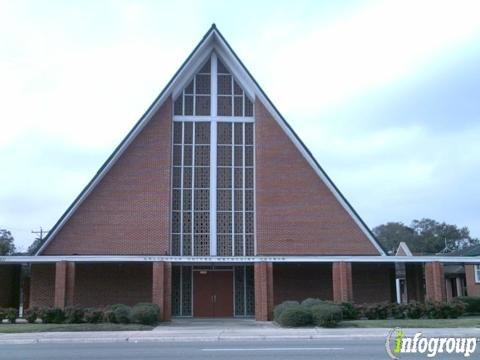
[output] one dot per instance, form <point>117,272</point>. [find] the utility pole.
<point>41,233</point>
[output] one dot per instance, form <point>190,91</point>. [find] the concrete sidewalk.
<point>219,330</point>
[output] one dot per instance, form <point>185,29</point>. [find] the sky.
<point>385,94</point>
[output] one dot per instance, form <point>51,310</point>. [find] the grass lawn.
<point>26,328</point>
<point>467,322</point>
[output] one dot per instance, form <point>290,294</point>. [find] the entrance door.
<point>212,294</point>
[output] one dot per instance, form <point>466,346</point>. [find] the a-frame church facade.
<point>213,207</point>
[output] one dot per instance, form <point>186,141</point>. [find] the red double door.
<point>212,294</point>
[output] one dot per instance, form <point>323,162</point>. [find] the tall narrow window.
<point>213,166</point>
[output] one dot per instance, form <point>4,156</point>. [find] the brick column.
<point>263,291</point>
<point>435,282</point>
<point>64,284</point>
<point>162,288</point>
<point>342,282</point>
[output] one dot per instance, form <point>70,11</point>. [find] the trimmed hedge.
<point>326,314</point>
<point>52,315</point>
<point>472,303</point>
<point>146,314</point>
<point>311,302</point>
<point>295,316</point>
<point>277,311</point>
<point>121,314</point>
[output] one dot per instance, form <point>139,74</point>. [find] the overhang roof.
<point>213,40</point>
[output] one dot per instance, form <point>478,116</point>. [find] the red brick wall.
<point>435,282</point>
<point>107,284</point>
<point>42,285</point>
<point>301,281</point>
<point>373,283</point>
<point>296,212</point>
<point>9,285</point>
<point>415,282</point>
<point>473,288</point>
<point>128,212</point>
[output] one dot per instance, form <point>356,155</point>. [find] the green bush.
<point>472,303</point>
<point>415,310</point>
<point>350,311</point>
<point>277,311</point>
<point>93,316</point>
<point>11,315</point>
<point>31,315</point>
<point>378,311</point>
<point>311,302</point>
<point>440,310</point>
<point>326,314</point>
<point>52,315</point>
<point>397,311</point>
<point>146,313</point>
<point>2,314</point>
<point>74,315</point>
<point>122,314</point>
<point>295,316</point>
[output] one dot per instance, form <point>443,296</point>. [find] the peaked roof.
<point>469,251</point>
<point>213,40</point>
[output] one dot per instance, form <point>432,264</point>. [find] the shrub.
<point>326,314</point>
<point>52,315</point>
<point>74,315</point>
<point>109,316</point>
<point>455,310</point>
<point>146,314</point>
<point>11,315</point>
<point>283,306</point>
<point>122,314</point>
<point>415,310</point>
<point>438,310</point>
<point>93,316</point>
<point>295,316</point>
<point>311,302</point>
<point>2,314</point>
<point>472,303</point>
<point>377,311</point>
<point>350,311</point>
<point>31,315</point>
<point>398,311</point>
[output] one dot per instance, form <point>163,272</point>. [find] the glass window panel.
<point>238,155</point>
<point>189,88</point>
<point>178,106</point>
<point>249,200</point>
<point>238,200</point>
<point>187,221</point>
<point>237,90</point>
<point>249,178</point>
<point>176,199</point>
<point>221,69</point>
<point>187,177</point>
<point>187,199</point>
<point>187,244</point>
<point>176,177</point>
<point>202,177</point>
<point>202,85</point>
<point>249,245</point>
<point>224,178</point>
<point>224,222</point>
<point>238,127</point>
<point>176,222</point>
<point>188,132</point>
<point>202,133</point>
<point>238,178</point>
<point>239,223</point>
<point>187,155</point>
<point>248,107</point>
<point>224,200</point>
<point>224,156</point>
<point>205,68</point>
<point>201,245</point>
<point>202,155</point>
<point>177,155</point>
<point>224,245</point>
<point>238,106</point>
<point>202,105</point>
<point>248,155</point>
<point>224,106</point>
<point>224,131</point>
<point>175,245</point>
<point>224,84</point>
<point>202,200</point>
<point>177,132</point>
<point>238,245</point>
<point>248,133</point>
<point>188,105</point>
<point>202,222</point>
<point>249,222</point>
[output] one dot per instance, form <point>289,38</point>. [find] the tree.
<point>424,236</point>
<point>7,247</point>
<point>37,244</point>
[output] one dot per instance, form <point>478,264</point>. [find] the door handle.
<point>214,298</point>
